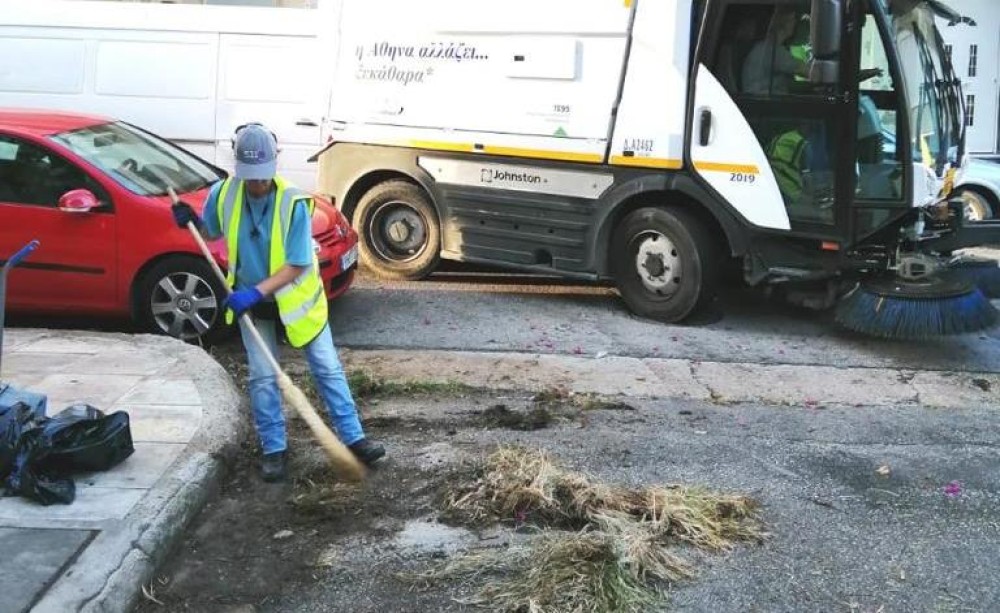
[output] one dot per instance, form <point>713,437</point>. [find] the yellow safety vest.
<point>786,154</point>
<point>302,303</point>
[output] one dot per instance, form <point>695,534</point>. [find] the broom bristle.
<point>912,318</point>
<point>342,458</point>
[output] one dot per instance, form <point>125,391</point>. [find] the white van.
<point>190,73</point>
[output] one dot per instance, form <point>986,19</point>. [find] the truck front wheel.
<point>398,229</point>
<point>665,263</point>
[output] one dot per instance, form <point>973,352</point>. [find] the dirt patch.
<point>260,547</point>
<point>534,418</point>
<point>256,540</point>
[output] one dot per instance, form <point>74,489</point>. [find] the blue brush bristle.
<point>985,276</point>
<point>915,318</point>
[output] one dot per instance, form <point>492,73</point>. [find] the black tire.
<point>194,313</point>
<point>979,205</point>
<point>681,263</point>
<point>398,230</point>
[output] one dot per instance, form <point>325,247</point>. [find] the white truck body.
<point>482,77</point>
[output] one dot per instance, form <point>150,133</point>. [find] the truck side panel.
<point>649,131</point>
<point>468,76</point>
<point>549,216</point>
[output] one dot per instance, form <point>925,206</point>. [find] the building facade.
<point>975,54</point>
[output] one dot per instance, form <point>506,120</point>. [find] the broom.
<point>339,454</point>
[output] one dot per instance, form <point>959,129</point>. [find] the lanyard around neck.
<point>254,223</point>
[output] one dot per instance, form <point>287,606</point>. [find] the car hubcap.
<point>184,305</point>
<point>658,264</point>
<point>398,232</point>
<point>975,208</point>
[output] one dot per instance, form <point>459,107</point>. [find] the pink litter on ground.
<point>953,489</point>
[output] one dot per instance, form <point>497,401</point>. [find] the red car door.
<point>75,266</point>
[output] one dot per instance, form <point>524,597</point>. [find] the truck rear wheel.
<point>665,263</point>
<point>398,229</point>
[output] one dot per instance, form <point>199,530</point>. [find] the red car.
<point>113,248</point>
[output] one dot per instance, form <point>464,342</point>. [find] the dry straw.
<point>600,548</point>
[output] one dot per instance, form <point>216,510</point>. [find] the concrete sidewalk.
<point>96,553</point>
<point>714,381</point>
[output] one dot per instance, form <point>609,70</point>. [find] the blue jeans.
<point>328,376</point>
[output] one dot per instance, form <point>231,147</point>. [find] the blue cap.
<point>256,153</point>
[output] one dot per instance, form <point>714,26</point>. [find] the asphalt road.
<point>497,312</point>
<point>477,311</point>
<point>868,509</point>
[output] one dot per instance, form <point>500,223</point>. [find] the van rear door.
<point>271,80</point>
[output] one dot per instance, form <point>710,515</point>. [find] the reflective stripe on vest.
<point>302,303</point>
<point>786,154</point>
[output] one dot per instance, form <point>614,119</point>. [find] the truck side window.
<point>879,167</point>
<point>762,60</point>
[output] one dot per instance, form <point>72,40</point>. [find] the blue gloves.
<point>243,300</point>
<point>183,213</point>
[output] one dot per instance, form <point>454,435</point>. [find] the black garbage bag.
<point>14,420</point>
<point>47,451</point>
<point>29,480</point>
<point>83,439</point>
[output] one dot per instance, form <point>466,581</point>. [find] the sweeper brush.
<point>983,273</point>
<point>894,308</point>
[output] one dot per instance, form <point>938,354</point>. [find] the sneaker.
<point>273,467</point>
<point>367,451</point>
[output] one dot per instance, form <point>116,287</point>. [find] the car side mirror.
<point>825,26</point>
<point>78,201</point>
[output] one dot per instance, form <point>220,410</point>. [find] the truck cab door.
<point>768,141</point>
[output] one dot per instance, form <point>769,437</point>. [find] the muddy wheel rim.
<point>397,232</point>
<point>976,209</point>
<point>658,264</point>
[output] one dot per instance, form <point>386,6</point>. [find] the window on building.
<point>973,60</point>
<point>970,110</point>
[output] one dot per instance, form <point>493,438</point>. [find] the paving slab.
<point>185,415</point>
<point>33,559</point>
<point>163,423</point>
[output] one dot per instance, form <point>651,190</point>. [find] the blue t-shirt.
<point>253,259</point>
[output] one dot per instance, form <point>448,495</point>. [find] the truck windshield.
<point>935,117</point>
<point>141,162</point>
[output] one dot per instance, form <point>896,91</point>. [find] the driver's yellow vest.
<point>786,153</point>
<point>302,303</point>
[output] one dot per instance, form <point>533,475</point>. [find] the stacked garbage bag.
<point>39,454</point>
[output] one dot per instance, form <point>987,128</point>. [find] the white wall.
<point>189,73</point>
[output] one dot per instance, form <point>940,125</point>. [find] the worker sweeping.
<point>274,274</point>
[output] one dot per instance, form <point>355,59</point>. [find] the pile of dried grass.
<point>574,572</point>
<point>528,486</point>
<point>615,555</point>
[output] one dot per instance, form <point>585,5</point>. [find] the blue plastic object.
<point>9,395</point>
<point>22,253</point>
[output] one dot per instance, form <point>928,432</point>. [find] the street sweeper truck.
<point>814,143</point>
